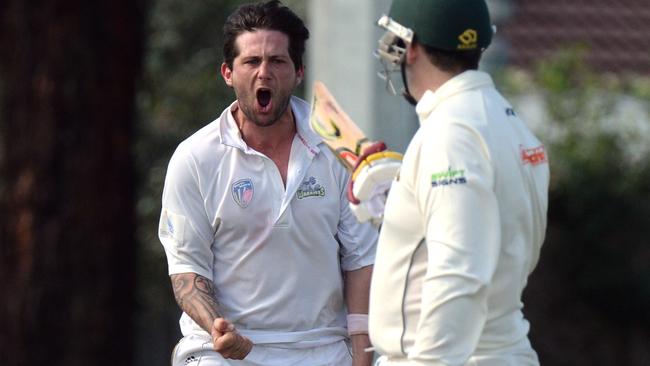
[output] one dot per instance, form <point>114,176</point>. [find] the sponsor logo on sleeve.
<point>171,225</point>
<point>533,156</point>
<point>310,188</point>
<point>448,177</point>
<point>192,359</point>
<point>242,192</point>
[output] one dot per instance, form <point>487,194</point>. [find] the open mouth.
<point>263,97</point>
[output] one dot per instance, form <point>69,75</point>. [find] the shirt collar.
<point>231,136</point>
<point>470,79</point>
<point>302,112</point>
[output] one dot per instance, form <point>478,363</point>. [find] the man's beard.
<point>279,107</point>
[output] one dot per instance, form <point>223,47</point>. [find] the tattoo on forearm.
<point>195,295</point>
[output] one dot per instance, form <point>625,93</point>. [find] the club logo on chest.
<point>242,192</point>
<point>310,188</point>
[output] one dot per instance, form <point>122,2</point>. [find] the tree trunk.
<point>67,245</point>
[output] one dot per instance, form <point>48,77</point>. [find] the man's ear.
<point>226,73</point>
<point>300,74</point>
<point>412,53</point>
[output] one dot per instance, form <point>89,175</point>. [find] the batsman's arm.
<point>357,293</point>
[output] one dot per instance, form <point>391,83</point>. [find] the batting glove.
<point>371,179</point>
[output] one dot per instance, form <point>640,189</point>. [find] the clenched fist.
<point>228,342</point>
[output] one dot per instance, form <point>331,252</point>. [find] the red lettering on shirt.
<point>304,142</point>
<point>534,155</point>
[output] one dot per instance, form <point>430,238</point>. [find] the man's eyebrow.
<point>270,57</point>
<point>279,57</point>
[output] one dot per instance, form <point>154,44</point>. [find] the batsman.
<point>465,216</point>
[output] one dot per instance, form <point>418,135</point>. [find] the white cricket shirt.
<point>271,252</point>
<point>462,231</point>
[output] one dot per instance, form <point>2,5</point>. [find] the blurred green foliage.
<point>594,266</point>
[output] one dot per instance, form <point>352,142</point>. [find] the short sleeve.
<point>184,228</point>
<point>358,241</point>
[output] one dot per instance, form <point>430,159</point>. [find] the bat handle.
<point>360,143</point>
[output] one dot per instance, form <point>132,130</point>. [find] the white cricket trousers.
<point>196,350</point>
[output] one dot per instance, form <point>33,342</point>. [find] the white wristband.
<point>357,324</point>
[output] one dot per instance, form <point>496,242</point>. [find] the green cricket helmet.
<point>450,25</point>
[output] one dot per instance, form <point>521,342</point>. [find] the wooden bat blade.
<point>336,128</point>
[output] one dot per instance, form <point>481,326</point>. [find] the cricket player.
<point>466,215</point>
<point>267,262</point>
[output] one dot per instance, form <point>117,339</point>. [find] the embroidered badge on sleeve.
<point>171,225</point>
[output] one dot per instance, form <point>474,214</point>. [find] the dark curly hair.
<point>269,15</point>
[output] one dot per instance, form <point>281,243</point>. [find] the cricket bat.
<point>336,128</point>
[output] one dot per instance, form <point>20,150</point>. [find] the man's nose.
<point>264,71</point>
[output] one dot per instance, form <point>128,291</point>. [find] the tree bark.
<point>67,245</point>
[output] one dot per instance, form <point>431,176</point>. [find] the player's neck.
<point>269,138</point>
<point>433,78</point>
